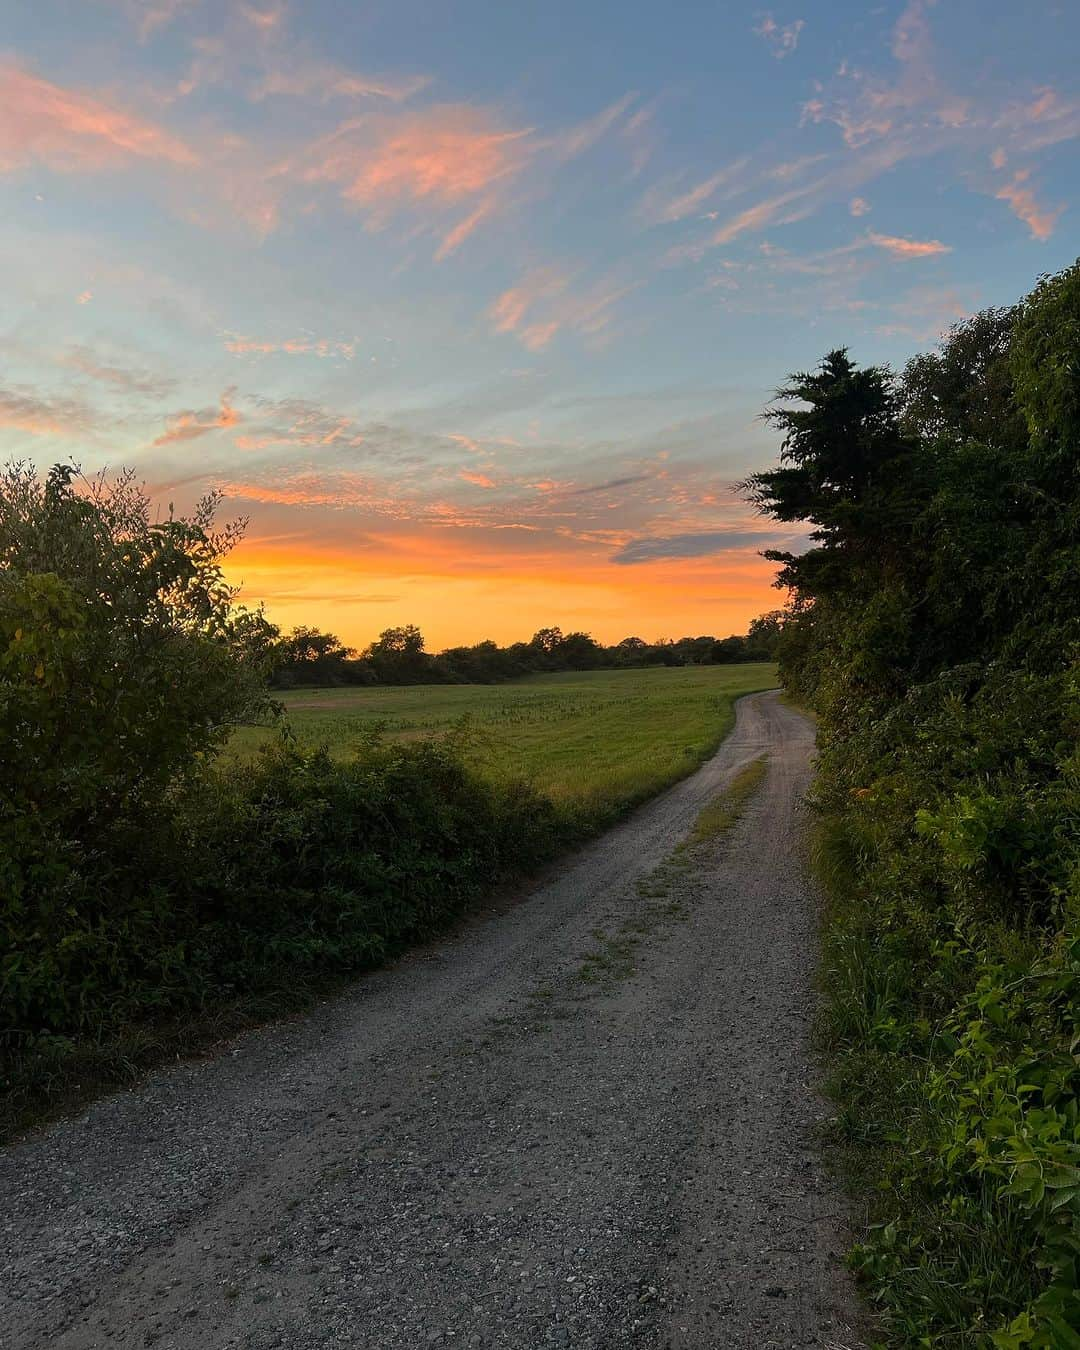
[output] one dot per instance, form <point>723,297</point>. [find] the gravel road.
<point>534,1134</point>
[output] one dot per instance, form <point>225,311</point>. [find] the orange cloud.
<point>444,155</point>
<point>1021,199</point>
<point>779,210</point>
<point>542,303</point>
<point>240,345</point>
<point>24,414</point>
<point>463,229</point>
<point>22,409</point>
<point>909,248</point>
<point>477,479</point>
<point>187,426</point>
<point>69,131</point>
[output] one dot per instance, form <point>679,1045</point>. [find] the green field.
<point>595,741</point>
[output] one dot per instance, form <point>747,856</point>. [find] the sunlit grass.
<point>595,741</point>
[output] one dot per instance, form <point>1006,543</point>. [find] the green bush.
<point>257,879</point>
<point>140,879</point>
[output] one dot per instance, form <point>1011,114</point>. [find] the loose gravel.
<point>510,1140</point>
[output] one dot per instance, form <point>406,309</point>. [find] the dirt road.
<point>535,1134</point>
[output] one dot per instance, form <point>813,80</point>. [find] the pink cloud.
<point>70,131</point>
<point>780,210</point>
<point>461,231</point>
<point>909,248</point>
<point>443,155</point>
<point>542,303</point>
<point>322,82</point>
<point>477,479</point>
<point>439,160</point>
<point>858,206</point>
<point>263,19</point>
<point>783,38</point>
<point>1020,197</point>
<point>686,203</point>
<point>1047,119</point>
<point>578,139</point>
<point>871,109</point>
<point>187,426</point>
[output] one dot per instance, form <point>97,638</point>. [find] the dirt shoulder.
<point>511,1140</point>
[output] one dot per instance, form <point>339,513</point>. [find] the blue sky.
<point>471,308</point>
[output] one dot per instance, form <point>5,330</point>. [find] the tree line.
<point>307,656</point>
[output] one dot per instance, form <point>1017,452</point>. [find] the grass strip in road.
<point>725,809</point>
<point>613,958</point>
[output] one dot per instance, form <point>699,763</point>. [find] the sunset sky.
<point>472,306</point>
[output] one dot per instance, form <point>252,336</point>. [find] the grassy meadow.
<point>593,742</point>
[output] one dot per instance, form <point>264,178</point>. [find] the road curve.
<point>478,1146</point>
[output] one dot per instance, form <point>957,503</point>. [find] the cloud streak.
<point>546,300</point>
<point>189,426</point>
<point>908,249</point>
<point>69,131</point>
<point>701,544</point>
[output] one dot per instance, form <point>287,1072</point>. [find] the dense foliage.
<point>398,656</point>
<point>139,876</point>
<point>935,630</point>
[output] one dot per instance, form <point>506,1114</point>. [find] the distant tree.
<point>580,651</point>
<point>397,655</point>
<point>547,639</point>
<point>762,642</point>
<point>631,651</point>
<point>308,656</point>
<point>727,650</point>
<point>695,651</point>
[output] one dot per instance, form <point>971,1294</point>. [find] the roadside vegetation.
<point>934,632</point>
<point>164,879</point>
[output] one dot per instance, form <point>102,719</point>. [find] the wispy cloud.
<point>188,426</point>
<point>546,300</point>
<point>1040,220</point>
<point>322,81</point>
<point>240,344</point>
<point>70,131</point>
<point>34,414</point>
<point>476,479</point>
<point>119,378</point>
<point>782,209</point>
<point>908,248</point>
<point>662,208</point>
<point>432,160</point>
<point>782,38</point>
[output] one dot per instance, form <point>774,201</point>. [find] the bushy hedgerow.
<point>936,631</point>
<point>254,879</point>
<point>142,881</point>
